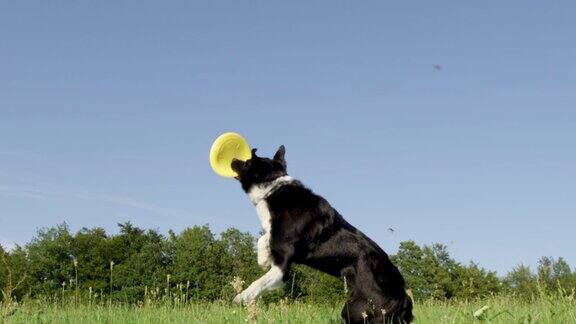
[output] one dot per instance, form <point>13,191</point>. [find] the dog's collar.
<point>262,191</point>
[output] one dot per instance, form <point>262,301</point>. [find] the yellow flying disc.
<point>227,147</point>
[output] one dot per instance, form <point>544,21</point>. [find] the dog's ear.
<point>254,152</point>
<point>279,156</point>
<point>238,166</point>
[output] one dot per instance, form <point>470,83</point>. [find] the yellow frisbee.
<point>225,148</point>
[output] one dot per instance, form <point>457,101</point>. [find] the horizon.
<point>9,247</point>
<point>450,123</point>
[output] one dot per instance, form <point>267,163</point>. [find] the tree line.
<point>136,264</point>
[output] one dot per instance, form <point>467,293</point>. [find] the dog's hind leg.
<point>270,280</point>
<point>355,310</point>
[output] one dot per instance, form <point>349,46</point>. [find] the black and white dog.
<point>301,227</point>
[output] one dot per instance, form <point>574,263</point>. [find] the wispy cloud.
<point>31,189</point>
<point>22,192</point>
<point>43,192</point>
<point>124,201</point>
<point>18,153</point>
<point>9,152</point>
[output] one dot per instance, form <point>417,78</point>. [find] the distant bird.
<point>390,229</point>
<point>438,67</point>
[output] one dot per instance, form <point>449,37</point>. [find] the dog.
<point>303,228</point>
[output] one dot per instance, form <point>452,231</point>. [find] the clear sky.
<point>451,121</point>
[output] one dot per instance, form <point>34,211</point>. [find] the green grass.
<point>501,310</point>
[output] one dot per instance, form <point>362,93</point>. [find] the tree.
<point>555,275</point>
<point>564,276</point>
<point>409,260</point>
<point>431,273</point>
<point>198,259</point>
<point>521,282</point>
<point>3,270</point>
<point>240,254</point>
<point>473,281</point>
<point>426,270</point>
<point>50,260</point>
<point>13,273</point>
<point>57,263</point>
<point>144,263</point>
<point>440,271</point>
<point>90,250</point>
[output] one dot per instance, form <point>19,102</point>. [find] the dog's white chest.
<point>264,215</point>
<point>257,195</point>
<point>264,251</point>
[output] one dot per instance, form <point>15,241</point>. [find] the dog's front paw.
<point>239,299</point>
<point>244,297</point>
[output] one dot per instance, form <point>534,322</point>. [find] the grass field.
<point>500,310</point>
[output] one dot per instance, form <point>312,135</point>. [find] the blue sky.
<point>108,110</point>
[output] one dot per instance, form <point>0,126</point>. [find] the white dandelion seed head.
<point>481,311</point>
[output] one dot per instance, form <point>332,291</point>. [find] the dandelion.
<point>187,287</point>
<point>284,303</point>
<point>111,268</point>
<point>371,306</point>
<point>75,262</point>
<point>479,314</point>
<point>167,289</point>
<point>346,294</point>
<point>63,288</point>
<point>10,308</point>
<point>364,315</point>
<point>252,311</point>
<point>237,284</point>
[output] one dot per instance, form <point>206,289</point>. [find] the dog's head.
<point>258,170</point>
